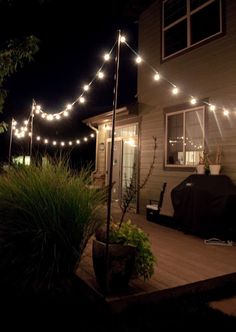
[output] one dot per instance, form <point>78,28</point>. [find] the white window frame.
<point>184,111</point>
<point>188,17</point>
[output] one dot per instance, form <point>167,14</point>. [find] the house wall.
<point>208,71</point>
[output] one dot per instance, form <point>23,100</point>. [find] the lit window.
<point>186,23</point>
<point>185,136</point>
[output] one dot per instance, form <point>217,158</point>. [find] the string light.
<point>175,90</point>
<point>20,133</point>
<point>138,59</point>
<point>193,101</point>
<point>81,99</point>
<point>122,39</point>
<point>157,77</point>
<point>57,115</point>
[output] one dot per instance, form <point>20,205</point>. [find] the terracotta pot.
<point>121,259</point>
<point>215,169</point>
<point>200,169</point>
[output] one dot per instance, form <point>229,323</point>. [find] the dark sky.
<point>73,35</point>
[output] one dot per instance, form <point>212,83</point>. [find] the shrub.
<point>46,218</point>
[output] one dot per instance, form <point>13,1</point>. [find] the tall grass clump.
<point>46,218</point>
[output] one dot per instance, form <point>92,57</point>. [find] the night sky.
<point>73,39</point>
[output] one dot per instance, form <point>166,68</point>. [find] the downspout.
<point>96,157</point>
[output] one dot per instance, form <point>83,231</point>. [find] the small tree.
<point>132,188</point>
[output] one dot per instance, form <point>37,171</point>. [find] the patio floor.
<point>185,265</point>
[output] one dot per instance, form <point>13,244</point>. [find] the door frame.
<point>108,140</point>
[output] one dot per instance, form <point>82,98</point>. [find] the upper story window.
<point>184,137</point>
<point>186,23</point>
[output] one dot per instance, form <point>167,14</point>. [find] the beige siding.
<point>208,71</point>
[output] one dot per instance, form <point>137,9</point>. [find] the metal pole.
<point>115,94</point>
<point>32,128</point>
<point>10,143</point>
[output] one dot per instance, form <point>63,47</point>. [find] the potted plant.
<point>203,165</point>
<point>215,167</point>
<point>46,218</point>
<point>129,249</point>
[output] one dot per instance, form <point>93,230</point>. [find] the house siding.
<point>208,71</point>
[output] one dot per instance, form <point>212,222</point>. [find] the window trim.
<point>181,109</point>
<point>188,16</point>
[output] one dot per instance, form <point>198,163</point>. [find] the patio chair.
<point>154,207</point>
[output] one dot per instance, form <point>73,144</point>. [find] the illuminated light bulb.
<point>46,141</point>
<point>25,129</point>
<point>38,138</point>
<point>49,117</point>
<point>101,75</point>
<point>77,141</point>
<point>156,77</point>
<point>37,111</point>
<point>193,101</point>
<point>122,39</point>
<point>82,100</point>
<point>86,87</point>
<point>138,59</point>
<point>70,143</point>
<point>69,106</point>
<point>92,135</point>
<point>65,113</point>
<point>26,122</point>
<point>175,90</point>
<point>58,116</point>
<point>62,143</point>
<point>54,143</point>
<point>85,139</point>
<point>28,133</point>
<point>212,107</point>
<point>21,128</point>
<point>38,107</point>
<point>43,115</point>
<point>226,112</point>
<point>14,127</point>
<point>106,56</point>
<point>14,123</point>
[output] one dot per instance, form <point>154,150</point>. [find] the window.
<point>186,23</point>
<point>185,135</point>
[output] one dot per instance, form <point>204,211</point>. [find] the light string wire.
<point>175,90</point>
<point>98,75</point>
<point>157,76</point>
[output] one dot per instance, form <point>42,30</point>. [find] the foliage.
<point>13,56</point>
<point>130,234</point>
<point>204,160</point>
<point>46,218</point>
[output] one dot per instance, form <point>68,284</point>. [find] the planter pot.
<point>121,259</point>
<point>215,169</point>
<point>200,169</point>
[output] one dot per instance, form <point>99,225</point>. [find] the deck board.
<point>184,263</point>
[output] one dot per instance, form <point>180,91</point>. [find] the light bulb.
<point>106,56</point>
<point>156,77</point>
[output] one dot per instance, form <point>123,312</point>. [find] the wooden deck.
<point>184,265</point>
